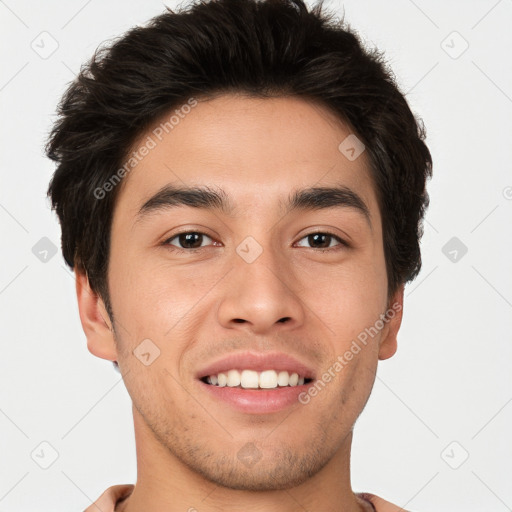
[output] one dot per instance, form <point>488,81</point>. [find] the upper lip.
<point>259,362</point>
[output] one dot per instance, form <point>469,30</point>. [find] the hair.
<point>265,49</point>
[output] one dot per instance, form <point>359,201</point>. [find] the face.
<point>254,277</point>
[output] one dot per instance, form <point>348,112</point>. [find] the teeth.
<point>233,378</point>
<point>250,379</point>
<point>268,379</point>
<point>282,378</point>
<point>223,379</point>
<point>294,379</point>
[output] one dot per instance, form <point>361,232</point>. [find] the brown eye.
<point>323,240</point>
<point>188,240</point>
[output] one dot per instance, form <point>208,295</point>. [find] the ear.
<point>388,341</point>
<point>95,320</point>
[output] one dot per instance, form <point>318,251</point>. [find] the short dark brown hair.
<point>267,48</point>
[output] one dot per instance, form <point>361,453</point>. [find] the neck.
<point>165,484</point>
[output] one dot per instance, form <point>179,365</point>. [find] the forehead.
<point>256,150</point>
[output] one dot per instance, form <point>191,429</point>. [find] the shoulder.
<point>380,504</point>
<point>107,501</point>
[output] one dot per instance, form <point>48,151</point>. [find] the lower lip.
<point>257,401</point>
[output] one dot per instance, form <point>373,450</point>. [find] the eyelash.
<point>167,243</point>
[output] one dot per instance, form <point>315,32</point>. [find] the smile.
<point>250,379</point>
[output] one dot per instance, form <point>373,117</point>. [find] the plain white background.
<point>435,435</point>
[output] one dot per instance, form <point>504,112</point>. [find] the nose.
<point>261,296</point>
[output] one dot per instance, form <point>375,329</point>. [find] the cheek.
<point>347,298</point>
<point>358,381</point>
<point>160,301</point>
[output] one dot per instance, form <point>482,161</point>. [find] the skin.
<point>258,151</point>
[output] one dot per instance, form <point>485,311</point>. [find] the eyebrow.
<point>210,198</point>
<point>321,198</point>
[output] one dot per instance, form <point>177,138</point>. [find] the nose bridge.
<point>259,291</point>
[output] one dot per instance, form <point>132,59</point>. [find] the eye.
<point>188,240</point>
<point>192,240</point>
<point>324,239</point>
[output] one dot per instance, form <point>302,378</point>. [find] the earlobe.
<point>388,342</point>
<point>94,318</point>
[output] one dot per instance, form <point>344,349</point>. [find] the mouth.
<point>256,383</point>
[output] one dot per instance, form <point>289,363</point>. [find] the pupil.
<point>188,238</point>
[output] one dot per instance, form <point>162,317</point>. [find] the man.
<point>241,188</point>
